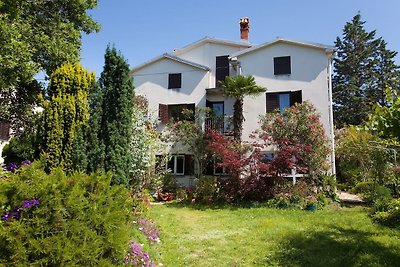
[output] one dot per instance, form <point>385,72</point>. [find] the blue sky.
<point>142,30</point>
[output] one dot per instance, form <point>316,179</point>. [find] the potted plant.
<point>311,203</point>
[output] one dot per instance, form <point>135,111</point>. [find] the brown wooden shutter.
<point>189,165</point>
<point>174,80</point>
<point>4,130</point>
<point>295,97</point>
<point>272,101</point>
<point>221,69</point>
<point>163,113</point>
<point>282,65</point>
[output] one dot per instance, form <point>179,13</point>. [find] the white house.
<point>4,136</point>
<point>292,71</point>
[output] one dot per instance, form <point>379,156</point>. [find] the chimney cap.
<point>244,20</point>
<point>244,28</point>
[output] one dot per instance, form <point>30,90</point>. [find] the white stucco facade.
<point>310,73</point>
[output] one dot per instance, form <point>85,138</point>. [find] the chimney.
<point>244,28</point>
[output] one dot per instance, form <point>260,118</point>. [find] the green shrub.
<point>387,212</point>
<point>207,189</point>
<point>76,220</point>
<point>371,192</point>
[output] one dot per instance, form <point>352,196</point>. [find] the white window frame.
<point>175,159</point>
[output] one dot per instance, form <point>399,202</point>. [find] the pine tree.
<point>66,116</point>
<point>115,131</point>
<point>364,69</point>
<point>387,73</point>
<point>353,73</point>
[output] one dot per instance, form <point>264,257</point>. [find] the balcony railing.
<point>222,124</point>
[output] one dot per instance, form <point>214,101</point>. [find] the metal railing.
<point>222,124</point>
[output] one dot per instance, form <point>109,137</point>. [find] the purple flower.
<point>26,163</point>
<point>27,204</point>
<point>6,217</point>
<point>12,167</point>
<point>35,202</point>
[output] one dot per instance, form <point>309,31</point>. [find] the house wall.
<point>152,82</point>
<point>309,73</point>
<point>2,144</point>
<point>206,55</point>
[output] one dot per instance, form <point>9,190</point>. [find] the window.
<point>218,170</point>
<point>176,164</point>
<point>4,130</point>
<point>175,112</point>
<point>221,69</point>
<point>282,65</point>
<point>175,81</point>
<point>267,157</point>
<point>282,100</point>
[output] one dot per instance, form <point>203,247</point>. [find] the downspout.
<point>333,162</point>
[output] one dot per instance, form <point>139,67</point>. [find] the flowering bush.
<point>301,145</point>
<point>16,212</point>
<point>149,229</point>
<point>137,257</point>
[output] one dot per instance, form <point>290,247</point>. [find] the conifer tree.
<point>364,67</point>
<point>387,73</point>
<point>115,131</point>
<point>66,116</point>
<point>353,73</point>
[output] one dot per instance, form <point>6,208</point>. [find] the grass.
<point>229,236</point>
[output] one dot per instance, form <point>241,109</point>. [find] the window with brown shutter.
<point>295,97</point>
<point>4,130</point>
<point>174,80</point>
<point>282,100</point>
<point>282,65</point>
<point>272,101</point>
<point>221,69</point>
<point>163,113</point>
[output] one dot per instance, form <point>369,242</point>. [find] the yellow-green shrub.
<point>80,220</point>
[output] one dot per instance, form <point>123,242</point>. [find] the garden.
<point>84,182</point>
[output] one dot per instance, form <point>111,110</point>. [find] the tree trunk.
<point>238,119</point>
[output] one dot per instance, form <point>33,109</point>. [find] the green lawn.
<point>269,237</point>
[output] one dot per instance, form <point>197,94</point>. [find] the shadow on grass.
<point>336,247</point>
<point>217,206</point>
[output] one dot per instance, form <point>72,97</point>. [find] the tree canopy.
<point>35,36</point>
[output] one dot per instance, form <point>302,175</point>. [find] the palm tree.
<point>239,87</point>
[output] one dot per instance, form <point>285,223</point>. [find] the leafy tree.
<point>363,68</point>
<point>66,116</point>
<point>301,144</point>
<point>239,87</point>
<point>113,119</point>
<point>192,136</point>
<point>143,147</point>
<point>385,120</point>
<point>300,139</point>
<point>37,35</point>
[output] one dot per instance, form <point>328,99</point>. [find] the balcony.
<point>222,124</point>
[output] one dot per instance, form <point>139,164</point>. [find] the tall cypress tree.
<point>364,69</point>
<point>116,87</point>
<point>66,116</point>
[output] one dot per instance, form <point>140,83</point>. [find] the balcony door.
<point>216,119</point>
